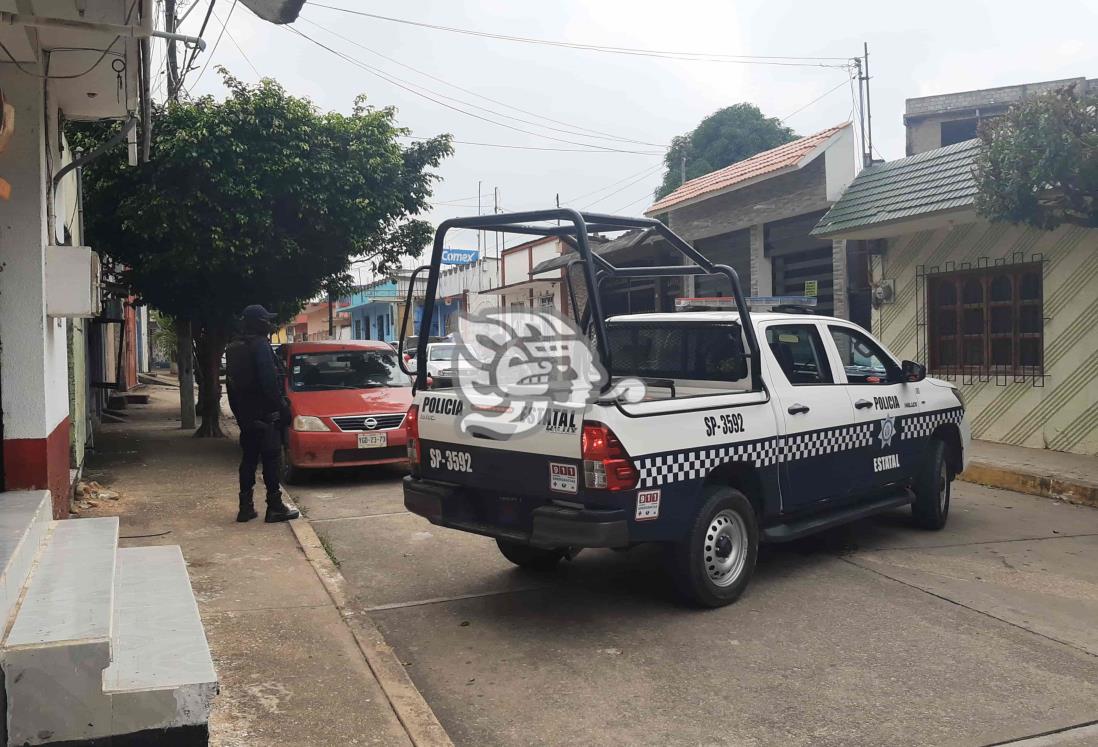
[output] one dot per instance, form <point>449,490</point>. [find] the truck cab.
<point>753,427</point>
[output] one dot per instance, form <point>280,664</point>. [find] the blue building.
<point>374,311</point>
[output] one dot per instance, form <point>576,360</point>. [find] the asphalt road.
<point>873,634</point>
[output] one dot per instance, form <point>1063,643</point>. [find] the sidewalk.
<point>1051,474</point>
<point>290,668</point>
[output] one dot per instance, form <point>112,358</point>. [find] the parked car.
<point>440,364</point>
<point>348,401</point>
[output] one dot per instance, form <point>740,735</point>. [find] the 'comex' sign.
<point>459,256</point>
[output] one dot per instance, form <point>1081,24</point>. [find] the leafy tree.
<point>259,198</point>
<point>723,138</point>
<point>1038,164</point>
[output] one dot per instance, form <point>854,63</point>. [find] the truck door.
<point>883,402</point>
<point>818,415</point>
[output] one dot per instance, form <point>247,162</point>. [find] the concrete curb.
<point>417,718</point>
<point>1045,486</point>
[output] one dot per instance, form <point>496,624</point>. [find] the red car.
<point>348,401</point>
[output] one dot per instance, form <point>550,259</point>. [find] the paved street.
<point>877,633</point>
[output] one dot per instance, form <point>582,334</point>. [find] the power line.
<point>575,128</point>
<point>240,49</point>
<point>622,189</point>
<point>570,131</point>
<point>537,147</point>
<point>634,202</point>
<point>408,87</point>
<point>228,18</point>
<point>642,172</point>
<point>813,101</point>
<point>791,60</point>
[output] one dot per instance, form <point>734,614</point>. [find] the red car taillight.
<point>412,420</point>
<point>606,465</point>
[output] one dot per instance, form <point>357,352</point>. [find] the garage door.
<point>799,273</point>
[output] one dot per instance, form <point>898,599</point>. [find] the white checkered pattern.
<point>696,464</point>
<point>921,426</point>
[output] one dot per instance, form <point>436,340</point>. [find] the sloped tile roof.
<point>931,182</point>
<point>781,158</point>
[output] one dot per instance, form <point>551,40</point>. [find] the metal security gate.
<point>799,273</point>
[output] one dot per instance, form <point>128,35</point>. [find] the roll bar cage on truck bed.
<point>574,228</point>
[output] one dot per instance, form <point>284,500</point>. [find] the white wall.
<point>34,357</point>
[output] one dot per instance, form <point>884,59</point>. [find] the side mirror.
<point>913,371</point>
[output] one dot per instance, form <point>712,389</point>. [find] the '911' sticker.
<point>563,478</point>
<point>648,505</point>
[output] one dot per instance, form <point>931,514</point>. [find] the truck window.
<point>800,353</point>
<point>863,359</point>
<point>678,351</point>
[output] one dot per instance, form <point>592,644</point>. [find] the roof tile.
<point>760,164</point>
<point>930,182</point>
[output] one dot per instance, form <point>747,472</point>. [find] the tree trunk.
<point>185,355</point>
<point>211,345</point>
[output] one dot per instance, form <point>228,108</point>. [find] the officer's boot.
<point>247,510</point>
<point>279,511</point>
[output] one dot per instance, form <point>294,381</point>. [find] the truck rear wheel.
<point>932,489</point>
<point>714,562</point>
<point>532,558</point>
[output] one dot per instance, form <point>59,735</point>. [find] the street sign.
<point>460,256</point>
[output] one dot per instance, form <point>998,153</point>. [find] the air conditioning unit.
<point>73,287</point>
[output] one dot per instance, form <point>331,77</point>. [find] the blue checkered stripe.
<point>921,426</point>
<point>661,469</point>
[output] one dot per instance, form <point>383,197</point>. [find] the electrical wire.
<point>643,198</point>
<point>813,101</point>
<point>642,172</point>
<point>577,130</point>
<point>527,147</point>
<point>228,18</point>
<point>791,60</point>
<point>393,80</point>
<point>238,47</point>
<point>103,56</point>
<point>570,131</point>
<point>622,189</point>
<point>188,62</point>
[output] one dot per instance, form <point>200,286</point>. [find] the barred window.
<point>989,319</point>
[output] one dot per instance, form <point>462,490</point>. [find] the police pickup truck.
<point>755,427</point>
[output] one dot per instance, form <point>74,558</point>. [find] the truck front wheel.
<point>532,558</point>
<point>932,488</point>
<point>714,563</point>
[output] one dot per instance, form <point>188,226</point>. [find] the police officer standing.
<point>256,384</point>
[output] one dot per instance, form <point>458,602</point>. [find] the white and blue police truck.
<point>755,427</point>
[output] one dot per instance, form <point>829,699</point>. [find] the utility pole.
<point>682,170</point>
<point>495,211</point>
<point>173,62</point>
<point>861,111</point>
<point>480,234</point>
<point>868,103</point>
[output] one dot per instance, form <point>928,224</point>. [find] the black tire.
<point>932,489</point>
<point>291,475</point>
<point>698,574</point>
<point>529,558</point>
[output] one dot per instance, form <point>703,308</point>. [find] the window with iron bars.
<point>987,319</point>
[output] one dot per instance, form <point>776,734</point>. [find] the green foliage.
<point>1039,163</point>
<point>165,338</point>
<point>723,138</point>
<point>259,198</point>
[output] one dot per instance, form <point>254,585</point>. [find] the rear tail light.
<point>412,419</point>
<point>606,464</point>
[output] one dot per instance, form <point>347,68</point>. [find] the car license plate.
<point>372,440</point>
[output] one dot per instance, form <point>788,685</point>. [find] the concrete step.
<point>24,520</point>
<point>162,680</point>
<point>59,644</point>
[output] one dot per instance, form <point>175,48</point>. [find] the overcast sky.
<point>916,49</point>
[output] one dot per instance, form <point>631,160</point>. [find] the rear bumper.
<point>340,449</point>
<point>449,505</point>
